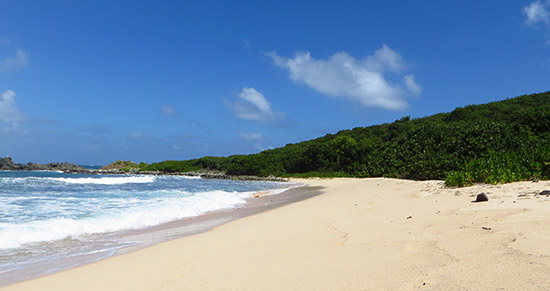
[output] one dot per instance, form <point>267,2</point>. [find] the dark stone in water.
<point>481,197</point>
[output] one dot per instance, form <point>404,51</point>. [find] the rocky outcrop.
<point>8,164</point>
<point>65,167</point>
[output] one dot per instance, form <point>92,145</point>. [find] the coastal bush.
<point>172,167</point>
<point>458,179</point>
<point>124,166</point>
<point>503,167</point>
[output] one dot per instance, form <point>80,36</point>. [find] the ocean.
<point>51,221</point>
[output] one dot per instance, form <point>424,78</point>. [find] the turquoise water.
<point>48,216</point>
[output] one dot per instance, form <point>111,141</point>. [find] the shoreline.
<point>136,239</point>
<point>202,175</point>
<point>375,234</point>
<point>206,222</point>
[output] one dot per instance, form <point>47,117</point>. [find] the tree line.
<point>498,142</point>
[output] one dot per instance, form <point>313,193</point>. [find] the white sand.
<point>361,234</point>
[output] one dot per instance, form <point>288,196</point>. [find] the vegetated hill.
<point>123,166</point>
<point>501,141</point>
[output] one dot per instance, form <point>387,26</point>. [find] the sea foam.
<point>157,211</point>
<point>107,180</point>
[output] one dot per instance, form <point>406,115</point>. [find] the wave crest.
<point>108,180</point>
<point>14,235</point>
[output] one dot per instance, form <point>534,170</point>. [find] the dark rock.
<point>36,167</point>
<point>65,167</point>
<point>481,197</point>
<point>7,161</point>
<point>545,192</point>
<point>8,164</point>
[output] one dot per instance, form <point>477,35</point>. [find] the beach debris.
<point>486,228</point>
<point>545,192</point>
<point>481,197</point>
<point>409,217</point>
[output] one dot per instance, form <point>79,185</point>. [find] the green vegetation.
<point>172,167</point>
<point>498,142</point>
<point>124,166</point>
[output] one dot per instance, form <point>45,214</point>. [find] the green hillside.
<point>497,142</point>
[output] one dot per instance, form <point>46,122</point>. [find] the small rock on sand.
<point>482,197</point>
<point>545,192</point>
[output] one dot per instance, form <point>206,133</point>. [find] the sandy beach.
<point>359,234</point>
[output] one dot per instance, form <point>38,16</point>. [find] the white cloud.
<point>8,111</point>
<point>253,106</point>
<point>537,12</point>
<point>257,99</point>
<point>168,110</point>
<point>412,85</point>
<point>264,148</point>
<point>361,81</point>
<point>20,60</point>
<point>252,136</point>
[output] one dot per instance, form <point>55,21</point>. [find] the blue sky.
<point>91,82</point>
